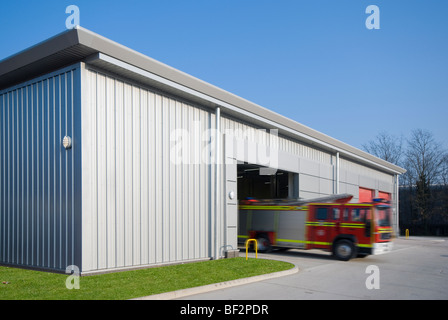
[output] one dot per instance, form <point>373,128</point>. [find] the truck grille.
<point>385,236</point>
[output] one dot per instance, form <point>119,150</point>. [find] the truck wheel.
<point>344,250</point>
<point>263,243</point>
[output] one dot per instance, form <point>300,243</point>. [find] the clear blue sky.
<point>313,61</point>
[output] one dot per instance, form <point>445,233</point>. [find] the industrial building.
<point>111,160</point>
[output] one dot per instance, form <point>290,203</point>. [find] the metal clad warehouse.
<point>153,161</point>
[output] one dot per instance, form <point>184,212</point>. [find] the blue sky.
<point>313,61</point>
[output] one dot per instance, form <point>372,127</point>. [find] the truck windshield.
<point>382,216</point>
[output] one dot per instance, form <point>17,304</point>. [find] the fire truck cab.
<point>332,224</point>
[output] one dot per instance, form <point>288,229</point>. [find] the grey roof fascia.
<point>80,44</point>
<point>54,53</point>
<point>39,51</point>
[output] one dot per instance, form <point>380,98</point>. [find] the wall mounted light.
<point>67,142</point>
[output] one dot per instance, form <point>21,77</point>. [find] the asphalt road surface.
<point>417,269</point>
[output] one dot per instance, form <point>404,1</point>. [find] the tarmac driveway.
<point>417,268</point>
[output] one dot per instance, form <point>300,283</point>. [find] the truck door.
<point>336,216</point>
<point>361,225</point>
<point>321,228</point>
<point>366,216</point>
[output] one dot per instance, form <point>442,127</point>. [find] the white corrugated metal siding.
<point>38,201</point>
<point>139,206</point>
<point>263,136</point>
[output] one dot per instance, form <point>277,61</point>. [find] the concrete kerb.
<point>216,286</point>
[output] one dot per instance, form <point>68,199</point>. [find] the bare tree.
<point>423,161</point>
<point>424,157</point>
<point>444,171</point>
<point>386,147</point>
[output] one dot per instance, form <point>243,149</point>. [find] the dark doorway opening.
<point>262,183</point>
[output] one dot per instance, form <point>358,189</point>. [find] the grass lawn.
<point>20,284</point>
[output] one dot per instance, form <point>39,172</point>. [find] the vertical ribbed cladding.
<point>140,206</point>
<point>37,202</point>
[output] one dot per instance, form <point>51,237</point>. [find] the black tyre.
<point>263,243</point>
<point>344,250</point>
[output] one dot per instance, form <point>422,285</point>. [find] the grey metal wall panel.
<point>351,177</point>
<point>368,182</point>
<point>287,161</point>
<point>140,207</point>
<point>308,183</point>
<point>326,171</point>
<point>229,171</point>
<point>38,191</point>
<point>309,167</point>
<point>269,138</point>
<point>326,187</point>
<point>386,187</point>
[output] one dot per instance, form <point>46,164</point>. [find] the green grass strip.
<point>21,284</point>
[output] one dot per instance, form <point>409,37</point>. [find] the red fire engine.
<point>330,223</point>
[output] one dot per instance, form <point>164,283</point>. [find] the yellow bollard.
<point>407,233</point>
<point>256,247</point>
